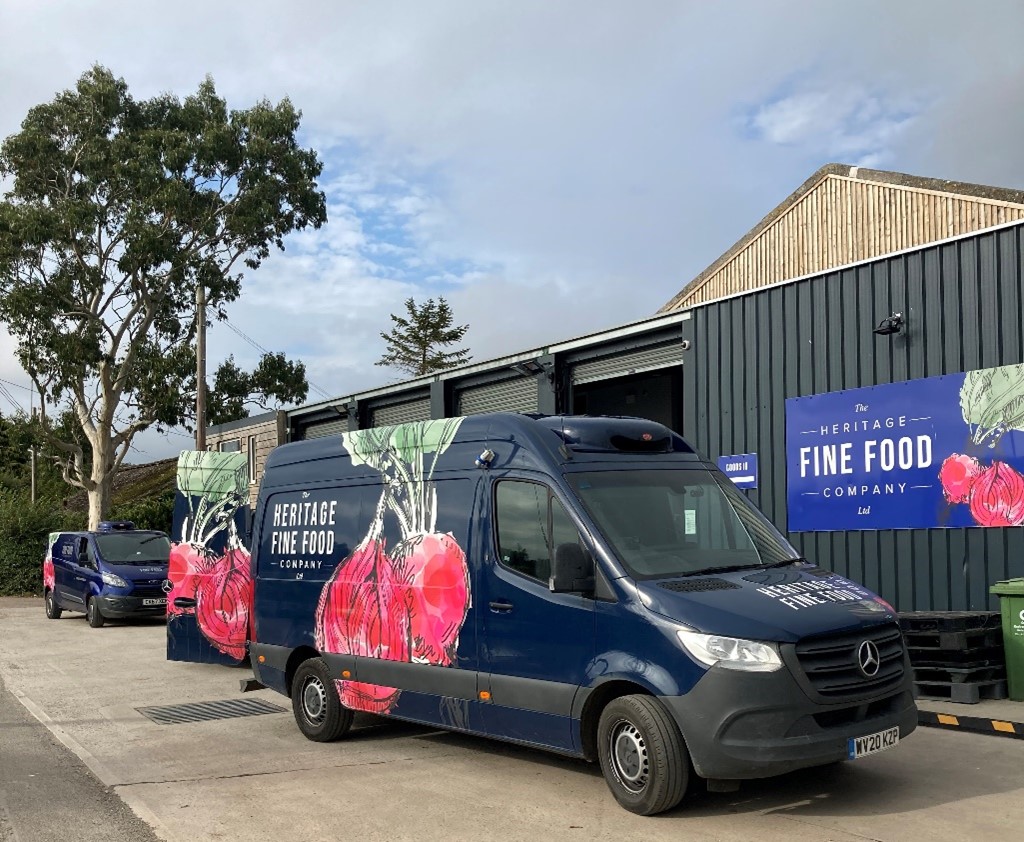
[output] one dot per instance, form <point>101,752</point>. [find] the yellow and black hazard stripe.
<point>977,724</point>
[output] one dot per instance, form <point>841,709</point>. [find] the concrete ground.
<point>257,777</point>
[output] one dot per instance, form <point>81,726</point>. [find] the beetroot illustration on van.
<point>407,605</point>
<point>209,573</point>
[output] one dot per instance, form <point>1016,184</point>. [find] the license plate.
<point>162,601</point>
<point>872,743</point>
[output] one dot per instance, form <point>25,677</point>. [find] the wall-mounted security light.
<point>890,325</point>
<point>528,368</point>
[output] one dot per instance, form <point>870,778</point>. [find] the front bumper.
<point>739,726</point>
<point>118,607</point>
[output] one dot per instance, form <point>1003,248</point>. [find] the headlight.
<point>113,581</point>
<point>731,652</point>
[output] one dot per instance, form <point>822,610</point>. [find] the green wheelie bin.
<point>1011,607</point>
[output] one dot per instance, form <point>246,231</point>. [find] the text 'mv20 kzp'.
<point>586,585</point>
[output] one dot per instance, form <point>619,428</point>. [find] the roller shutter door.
<point>516,395</point>
<point>633,362</point>
<point>400,413</point>
<point>319,429</point>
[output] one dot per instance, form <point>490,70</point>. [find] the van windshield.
<point>134,547</point>
<point>676,522</point>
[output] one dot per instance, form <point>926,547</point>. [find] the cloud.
<point>552,169</point>
<point>852,124</point>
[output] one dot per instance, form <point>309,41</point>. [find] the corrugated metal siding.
<point>964,303</point>
<point>400,413</point>
<point>336,426</point>
<point>845,220</point>
<point>516,395</point>
<point>619,365</point>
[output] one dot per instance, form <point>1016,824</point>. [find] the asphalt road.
<point>46,793</point>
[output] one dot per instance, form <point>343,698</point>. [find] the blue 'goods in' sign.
<point>741,469</point>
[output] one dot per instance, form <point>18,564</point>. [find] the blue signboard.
<point>938,452</point>
<point>741,469</point>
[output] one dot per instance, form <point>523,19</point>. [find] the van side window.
<point>531,523</point>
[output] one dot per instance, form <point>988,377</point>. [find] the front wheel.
<point>53,610</point>
<point>643,756</point>
<point>93,614</point>
<point>316,704</point>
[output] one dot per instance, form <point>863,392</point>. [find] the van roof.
<point>560,435</point>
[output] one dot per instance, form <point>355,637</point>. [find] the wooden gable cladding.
<point>843,218</point>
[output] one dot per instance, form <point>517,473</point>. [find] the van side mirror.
<point>572,571</point>
<point>83,558</point>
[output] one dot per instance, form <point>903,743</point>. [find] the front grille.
<point>148,588</point>
<point>831,666</point>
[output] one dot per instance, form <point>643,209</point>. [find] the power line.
<point>10,383</point>
<point>263,350</point>
<point>10,398</point>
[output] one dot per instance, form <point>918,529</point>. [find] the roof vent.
<point>115,526</point>
<point>584,433</point>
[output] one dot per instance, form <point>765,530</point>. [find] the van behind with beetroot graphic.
<point>209,581</point>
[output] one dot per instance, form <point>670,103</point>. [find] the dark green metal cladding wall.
<point>964,307</point>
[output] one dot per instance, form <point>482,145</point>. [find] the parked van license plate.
<point>155,601</point>
<point>862,746</point>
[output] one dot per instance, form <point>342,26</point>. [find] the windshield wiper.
<point>786,561</point>
<point>732,568</point>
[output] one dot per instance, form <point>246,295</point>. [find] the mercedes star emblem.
<point>167,586</point>
<point>868,659</point>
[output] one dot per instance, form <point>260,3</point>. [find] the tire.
<point>316,704</point>
<point>53,609</point>
<point>642,754</point>
<point>93,613</point>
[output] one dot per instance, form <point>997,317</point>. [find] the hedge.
<point>25,528</point>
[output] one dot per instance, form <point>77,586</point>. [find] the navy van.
<point>586,585</point>
<point>115,572</point>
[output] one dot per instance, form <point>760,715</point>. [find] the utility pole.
<point>200,367</point>
<point>32,452</point>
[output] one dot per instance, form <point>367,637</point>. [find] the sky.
<point>551,169</point>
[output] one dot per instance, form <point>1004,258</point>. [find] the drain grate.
<point>207,711</point>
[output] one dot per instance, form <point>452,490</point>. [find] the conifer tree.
<point>416,342</point>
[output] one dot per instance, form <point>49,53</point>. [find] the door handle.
<point>184,602</point>
<point>79,578</point>
<point>501,606</point>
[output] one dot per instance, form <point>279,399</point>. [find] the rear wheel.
<point>643,756</point>
<point>53,610</point>
<point>316,704</point>
<point>93,614</point>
